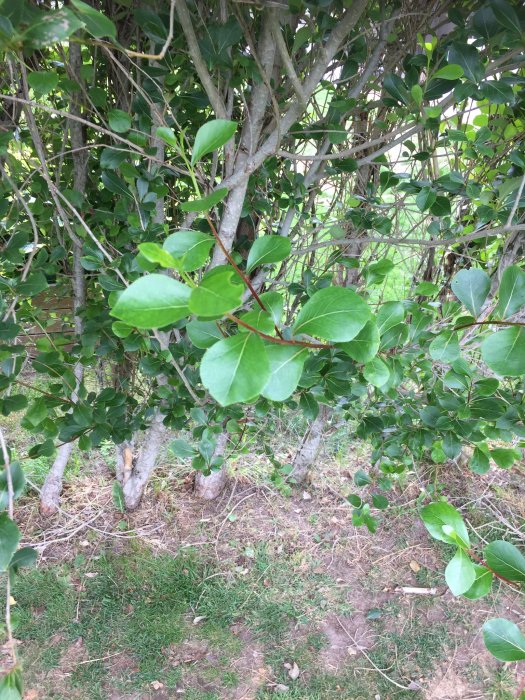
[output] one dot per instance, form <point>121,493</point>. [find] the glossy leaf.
<point>286,366</point>
<point>155,254</point>
<point>212,136</point>
<point>334,314</point>
<point>236,369</point>
<point>482,583</point>
<point>450,72</point>
<point>511,291</point>
<point>17,479</point>
<point>365,345</point>
<point>389,315</point>
<point>505,456</point>
<point>203,334</point>
<point>376,372</point>
<point>191,247</point>
<point>153,301</point>
<point>460,573</point>
<point>437,515</point>
<point>504,639</point>
<point>219,291</point>
<point>506,559</point>
<point>42,82</point>
<point>205,203</point>
<point>467,56</point>
<point>425,198</point>
<point>52,28</point>
<point>471,287</point>
<point>504,352</point>
<point>119,121</point>
<point>97,24</point>
<point>268,249</point>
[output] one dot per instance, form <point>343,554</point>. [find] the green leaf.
<point>42,82</point>
<point>286,367</point>
<point>389,315</point>
<point>203,334</point>
<point>504,352</point>
<point>395,86</point>
<point>425,198</point>
<point>506,560</point>
<point>220,291</point>
<point>467,56</point>
<point>268,249</point>
<point>258,319</point>
<point>511,291</point>
<point>192,247</point>
<point>504,639</point>
<point>379,501</point>
<point>274,304</point>
<point>471,288</point>
<point>334,314</point>
<point>119,121</point>
<point>460,573</point>
<point>376,372</point>
<point>236,369</point>
<point>506,15</point>
<point>9,539</point>
<point>205,203</point>
<point>118,497</point>
<point>96,23</point>
<point>155,254</point>
<point>450,72</point>
<point>153,301</point>
<point>11,687</point>
<point>426,289</point>
<point>212,136</point>
<point>480,462</point>
<point>445,347</point>
<point>482,583</point>
<point>505,456</point>
<point>166,134</point>
<point>497,92</point>
<point>37,411</point>
<point>26,556</point>
<point>182,449</point>
<point>365,345</point>
<point>51,28</point>
<point>361,478</point>
<point>17,479</point>
<point>437,515</point>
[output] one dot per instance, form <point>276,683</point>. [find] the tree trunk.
<point>135,477</point>
<point>310,446</point>
<point>52,488</point>
<point>209,487</point>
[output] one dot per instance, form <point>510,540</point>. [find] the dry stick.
<point>10,512</point>
<point>390,680</point>
<point>169,39</point>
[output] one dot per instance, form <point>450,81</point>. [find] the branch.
<point>285,57</point>
<point>10,512</point>
<point>169,39</point>
<point>196,56</point>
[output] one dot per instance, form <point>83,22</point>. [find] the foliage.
<point>212,294</point>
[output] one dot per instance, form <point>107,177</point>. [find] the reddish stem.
<point>279,341</point>
<point>484,563</point>
<point>237,269</point>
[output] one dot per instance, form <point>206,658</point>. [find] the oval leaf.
<point>212,136</point>
<point>506,560</point>
<point>334,314</point>
<point>268,249</point>
<point>235,369</point>
<point>504,352</point>
<point>286,367</point>
<point>365,345</point>
<point>191,247</point>
<point>460,573</point>
<point>205,203</point>
<point>437,515</point>
<point>511,291</point>
<point>153,301</point>
<point>9,538</point>
<point>504,639</point>
<point>471,288</point>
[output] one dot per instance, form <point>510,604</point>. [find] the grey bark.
<point>134,474</point>
<point>52,488</point>
<point>209,487</point>
<point>310,446</point>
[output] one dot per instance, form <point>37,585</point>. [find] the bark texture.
<point>209,487</point>
<point>310,446</point>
